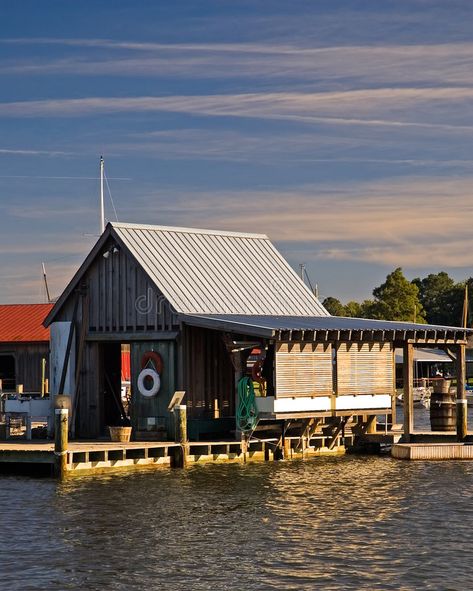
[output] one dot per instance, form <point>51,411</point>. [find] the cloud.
<point>410,222</point>
<point>434,64</point>
<point>396,107</point>
<point>29,152</point>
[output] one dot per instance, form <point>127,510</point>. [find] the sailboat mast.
<point>102,209</point>
<point>45,279</point>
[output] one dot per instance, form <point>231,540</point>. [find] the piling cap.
<point>62,401</point>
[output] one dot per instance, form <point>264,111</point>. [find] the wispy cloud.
<point>396,107</point>
<point>368,221</point>
<point>434,64</point>
<point>29,152</point>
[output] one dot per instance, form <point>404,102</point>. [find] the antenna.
<point>302,270</point>
<point>46,283</point>
<point>102,207</point>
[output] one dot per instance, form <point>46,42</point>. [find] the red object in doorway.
<point>126,369</point>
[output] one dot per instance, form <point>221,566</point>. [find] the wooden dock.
<point>97,457</point>
<point>433,451</point>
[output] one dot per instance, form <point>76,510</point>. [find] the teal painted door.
<point>149,413</point>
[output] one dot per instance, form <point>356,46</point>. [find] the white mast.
<point>46,283</point>
<point>102,210</point>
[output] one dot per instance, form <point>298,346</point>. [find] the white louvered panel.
<point>303,369</point>
<point>365,368</point>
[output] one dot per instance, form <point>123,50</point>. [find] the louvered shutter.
<point>366,368</point>
<point>303,369</point>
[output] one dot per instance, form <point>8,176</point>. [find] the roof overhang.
<point>329,329</point>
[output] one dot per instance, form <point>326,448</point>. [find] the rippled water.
<point>340,523</point>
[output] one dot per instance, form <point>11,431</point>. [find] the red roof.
<point>23,323</point>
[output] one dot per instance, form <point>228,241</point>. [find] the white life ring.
<point>148,373</point>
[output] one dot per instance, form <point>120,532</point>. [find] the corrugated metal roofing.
<point>213,272</point>
<point>23,323</point>
<point>426,355</point>
<point>267,324</point>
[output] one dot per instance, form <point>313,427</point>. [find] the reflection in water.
<point>340,523</point>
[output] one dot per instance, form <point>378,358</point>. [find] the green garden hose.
<point>247,413</point>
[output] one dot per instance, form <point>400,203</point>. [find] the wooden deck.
<point>104,456</point>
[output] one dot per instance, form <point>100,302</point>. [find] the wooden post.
<point>462,425</point>
<point>216,409</point>
<point>244,446</point>
<point>180,430</point>
<point>371,424</point>
<point>408,378</point>
<point>43,377</point>
<point>60,441</point>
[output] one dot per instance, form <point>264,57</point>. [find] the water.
<point>342,523</point>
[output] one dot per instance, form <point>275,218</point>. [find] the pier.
<point>99,457</point>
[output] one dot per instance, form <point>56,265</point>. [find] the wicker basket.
<point>120,434</point>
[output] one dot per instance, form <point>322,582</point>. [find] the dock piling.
<point>180,428</point>
<point>61,422</point>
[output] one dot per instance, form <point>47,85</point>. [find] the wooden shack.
<point>24,344</point>
<point>193,306</point>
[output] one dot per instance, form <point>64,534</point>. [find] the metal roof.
<point>270,326</point>
<point>23,323</point>
<point>215,272</point>
<point>425,355</point>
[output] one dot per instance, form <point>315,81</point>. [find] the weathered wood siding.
<point>154,407</point>
<point>303,369</point>
<point>88,421</point>
<point>208,374</point>
<point>28,357</point>
<point>366,368</point>
<point>121,298</point>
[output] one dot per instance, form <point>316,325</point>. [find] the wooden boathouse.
<point>201,310</point>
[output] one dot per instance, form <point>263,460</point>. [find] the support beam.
<point>462,425</point>
<point>408,379</point>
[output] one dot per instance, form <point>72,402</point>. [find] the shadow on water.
<point>340,523</point>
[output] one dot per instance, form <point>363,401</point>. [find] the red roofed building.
<point>24,343</point>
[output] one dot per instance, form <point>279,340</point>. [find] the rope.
<point>247,413</point>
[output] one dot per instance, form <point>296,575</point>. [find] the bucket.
<point>120,434</point>
<point>441,386</point>
<point>443,412</point>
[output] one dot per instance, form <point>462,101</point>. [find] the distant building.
<point>24,343</point>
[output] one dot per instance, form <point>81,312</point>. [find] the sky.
<point>342,129</point>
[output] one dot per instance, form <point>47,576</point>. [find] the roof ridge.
<point>185,230</point>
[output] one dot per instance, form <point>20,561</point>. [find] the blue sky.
<point>341,129</point>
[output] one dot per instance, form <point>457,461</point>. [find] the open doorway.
<point>7,372</point>
<point>115,385</point>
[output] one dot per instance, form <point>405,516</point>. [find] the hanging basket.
<point>120,434</point>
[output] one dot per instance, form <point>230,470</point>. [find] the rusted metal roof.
<point>23,323</point>
<point>214,272</point>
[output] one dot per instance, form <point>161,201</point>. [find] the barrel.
<point>443,411</point>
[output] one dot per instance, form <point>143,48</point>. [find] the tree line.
<point>435,299</point>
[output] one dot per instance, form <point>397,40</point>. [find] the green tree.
<point>397,299</point>
<point>438,295</point>
<point>334,306</point>
<point>353,310</point>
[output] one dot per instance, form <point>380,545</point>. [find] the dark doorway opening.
<point>114,407</point>
<point>7,372</point>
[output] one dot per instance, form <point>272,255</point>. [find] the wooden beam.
<point>462,425</point>
<point>408,378</point>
